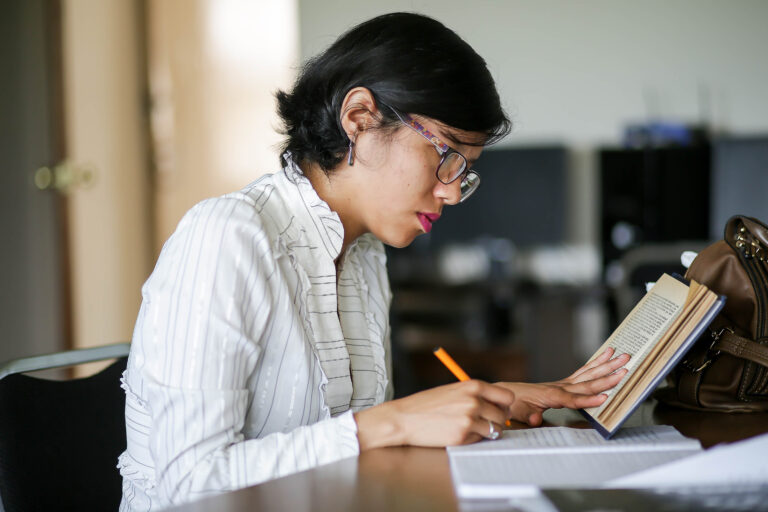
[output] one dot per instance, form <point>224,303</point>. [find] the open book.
<point>523,461</point>
<point>656,333</point>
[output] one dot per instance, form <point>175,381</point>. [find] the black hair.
<point>409,62</point>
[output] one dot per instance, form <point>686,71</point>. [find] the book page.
<point>692,316</point>
<point>643,327</point>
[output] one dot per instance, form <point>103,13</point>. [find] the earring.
<point>351,157</point>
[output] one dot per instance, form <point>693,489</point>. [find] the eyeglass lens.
<point>451,168</point>
<point>469,184</point>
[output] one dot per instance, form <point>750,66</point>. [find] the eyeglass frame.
<point>443,149</point>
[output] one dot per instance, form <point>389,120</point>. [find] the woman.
<point>262,343</point>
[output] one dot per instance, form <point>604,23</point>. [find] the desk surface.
<point>408,478</point>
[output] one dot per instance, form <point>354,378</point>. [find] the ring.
<point>493,434</point>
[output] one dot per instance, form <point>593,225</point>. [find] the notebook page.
<point>565,439</point>
<point>516,474</point>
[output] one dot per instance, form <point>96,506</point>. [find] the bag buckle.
<point>716,337</point>
<point>711,352</point>
<point>750,247</point>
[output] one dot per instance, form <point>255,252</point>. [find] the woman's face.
<point>399,195</point>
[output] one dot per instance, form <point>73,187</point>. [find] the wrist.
<point>377,427</point>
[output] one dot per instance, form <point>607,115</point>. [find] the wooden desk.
<point>408,478</point>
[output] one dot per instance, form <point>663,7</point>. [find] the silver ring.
<point>493,434</point>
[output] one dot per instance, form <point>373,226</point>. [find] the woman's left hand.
<point>584,388</point>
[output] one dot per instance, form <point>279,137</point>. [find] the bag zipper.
<point>753,257</point>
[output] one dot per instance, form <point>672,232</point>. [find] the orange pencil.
<point>454,367</point>
<point>449,363</point>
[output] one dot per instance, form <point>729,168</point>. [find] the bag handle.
<point>739,346</point>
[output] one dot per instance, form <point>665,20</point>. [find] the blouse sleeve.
<point>205,310</point>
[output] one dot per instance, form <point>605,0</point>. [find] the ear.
<point>358,112</point>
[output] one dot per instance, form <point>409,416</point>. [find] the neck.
<point>337,190</point>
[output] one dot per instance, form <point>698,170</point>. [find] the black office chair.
<point>59,440</point>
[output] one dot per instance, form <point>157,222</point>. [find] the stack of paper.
<point>742,463</point>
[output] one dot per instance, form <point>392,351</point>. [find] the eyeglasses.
<point>452,166</point>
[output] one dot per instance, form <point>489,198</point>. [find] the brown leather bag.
<point>727,368</point>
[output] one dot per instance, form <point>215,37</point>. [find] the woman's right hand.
<point>446,415</point>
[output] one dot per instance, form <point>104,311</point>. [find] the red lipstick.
<point>427,219</point>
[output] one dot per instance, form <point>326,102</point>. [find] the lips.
<point>427,219</point>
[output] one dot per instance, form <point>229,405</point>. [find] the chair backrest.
<point>59,441</point>
<point>646,263</point>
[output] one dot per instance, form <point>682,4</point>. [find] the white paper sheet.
<point>734,463</point>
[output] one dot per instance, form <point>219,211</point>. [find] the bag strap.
<point>742,347</point>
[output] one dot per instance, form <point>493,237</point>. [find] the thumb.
<point>535,419</point>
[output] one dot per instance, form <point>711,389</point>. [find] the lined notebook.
<point>523,461</point>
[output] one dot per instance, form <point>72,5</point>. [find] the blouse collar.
<point>328,223</point>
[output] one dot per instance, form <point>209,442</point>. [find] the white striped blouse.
<point>250,353</point>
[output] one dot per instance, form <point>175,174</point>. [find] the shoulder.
<point>247,203</point>
<point>237,227</point>
<point>243,214</point>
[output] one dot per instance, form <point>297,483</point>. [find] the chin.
<point>398,241</point>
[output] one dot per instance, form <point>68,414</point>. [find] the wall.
<point>578,71</point>
<point>214,66</point>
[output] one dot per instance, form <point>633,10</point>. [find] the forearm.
<point>210,470</point>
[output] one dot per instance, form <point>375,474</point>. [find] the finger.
<point>472,438</point>
<point>535,419</point>
<point>572,400</point>
<point>532,415</point>
<point>595,386</point>
<point>491,412</point>
<point>603,369</point>
<point>496,394</point>
<point>585,401</point>
<point>605,356</point>
<point>482,428</point>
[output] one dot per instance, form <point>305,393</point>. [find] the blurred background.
<point>639,128</point>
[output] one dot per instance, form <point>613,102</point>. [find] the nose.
<point>449,194</point>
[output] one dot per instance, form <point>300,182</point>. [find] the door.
<point>72,261</point>
<point>33,277</point>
